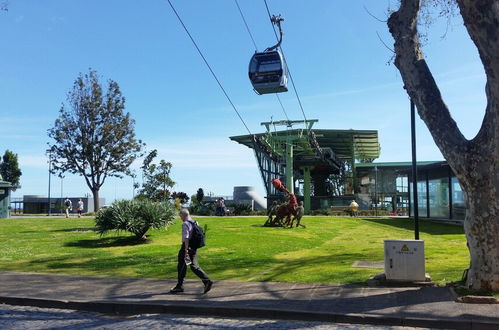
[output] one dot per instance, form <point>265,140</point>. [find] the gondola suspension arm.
<point>276,20</point>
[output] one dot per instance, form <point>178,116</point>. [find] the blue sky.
<point>341,69</point>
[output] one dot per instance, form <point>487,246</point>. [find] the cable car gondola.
<point>267,70</point>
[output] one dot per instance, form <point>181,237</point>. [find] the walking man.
<point>79,208</point>
<point>68,205</point>
<point>188,256</point>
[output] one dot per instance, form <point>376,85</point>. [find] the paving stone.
<point>16,317</point>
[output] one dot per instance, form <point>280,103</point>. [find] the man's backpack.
<point>198,238</point>
<point>68,203</point>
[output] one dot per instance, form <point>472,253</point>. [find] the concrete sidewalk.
<point>399,306</point>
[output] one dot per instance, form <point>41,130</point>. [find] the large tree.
<point>9,168</point>
<point>200,195</point>
<point>156,178</point>
<point>475,162</point>
<point>93,136</point>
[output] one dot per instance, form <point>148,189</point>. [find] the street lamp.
<point>62,192</point>
<point>414,172</point>
<point>376,190</point>
<point>50,168</point>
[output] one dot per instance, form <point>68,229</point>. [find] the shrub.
<point>135,216</point>
<point>177,203</point>
<point>259,212</point>
<point>319,212</point>
<point>241,209</point>
<point>203,209</point>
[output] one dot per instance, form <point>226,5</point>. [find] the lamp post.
<point>62,194</point>
<point>414,172</point>
<point>164,185</point>
<point>376,190</point>
<point>50,168</point>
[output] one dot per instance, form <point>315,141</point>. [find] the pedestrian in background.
<point>353,208</point>
<point>68,205</point>
<point>79,207</point>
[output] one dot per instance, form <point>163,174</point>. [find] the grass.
<point>237,249</point>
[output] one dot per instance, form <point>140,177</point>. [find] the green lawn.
<point>237,249</point>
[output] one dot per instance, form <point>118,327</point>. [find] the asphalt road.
<point>21,317</point>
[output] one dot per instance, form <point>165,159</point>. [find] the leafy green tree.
<point>475,162</point>
<point>93,136</point>
<point>9,168</point>
<point>156,178</point>
<point>181,196</point>
<point>200,195</point>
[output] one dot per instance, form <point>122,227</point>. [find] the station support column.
<point>306,188</point>
<point>290,182</point>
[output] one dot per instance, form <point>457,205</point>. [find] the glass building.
<point>388,186</point>
<point>439,193</point>
<point>384,186</point>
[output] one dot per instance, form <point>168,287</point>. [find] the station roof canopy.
<point>346,144</point>
<point>397,164</point>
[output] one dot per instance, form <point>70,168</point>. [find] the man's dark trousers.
<point>182,267</point>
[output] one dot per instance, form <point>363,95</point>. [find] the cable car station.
<point>304,158</point>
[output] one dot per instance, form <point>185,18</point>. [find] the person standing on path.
<point>188,256</point>
<point>354,208</point>
<point>68,205</point>
<point>79,207</point>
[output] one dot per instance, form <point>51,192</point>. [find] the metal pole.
<point>62,190</point>
<point>289,165</point>
<point>164,186</point>
<point>414,172</point>
<point>306,188</point>
<point>376,190</point>
<point>50,164</point>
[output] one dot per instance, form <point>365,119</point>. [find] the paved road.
<point>16,317</point>
<point>391,306</point>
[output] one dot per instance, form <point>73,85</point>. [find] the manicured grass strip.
<point>237,249</point>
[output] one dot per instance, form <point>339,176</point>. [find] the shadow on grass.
<point>90,229</point>
<point>106,242</point>
<point>164,265</point>
<point>269,227</point>
<point>262,226</point>
<point>427,227</point>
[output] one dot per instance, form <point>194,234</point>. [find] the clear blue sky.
<point>340,67</point>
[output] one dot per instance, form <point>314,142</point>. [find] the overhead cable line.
<point>209,67</point>
<point>286,63</point>
<point>256,49</point>
<point>282,106</point>
<point>247,27</point>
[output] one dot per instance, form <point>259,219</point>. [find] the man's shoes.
<point>177,289</point>
<point>207,286</point>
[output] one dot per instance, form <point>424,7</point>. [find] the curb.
<point>108,307</point>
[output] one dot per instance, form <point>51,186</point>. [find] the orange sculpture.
<point>285,210</point>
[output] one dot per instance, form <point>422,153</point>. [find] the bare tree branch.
<point>419,82</point>
<point>369,13</point>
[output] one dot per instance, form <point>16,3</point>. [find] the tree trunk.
<point>475,162</point>
<point>95,192</point>
<point>482,232</point>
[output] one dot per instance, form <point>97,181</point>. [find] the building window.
<point>458,206</point>
<point>422,198</point>
<point>438,189</point>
